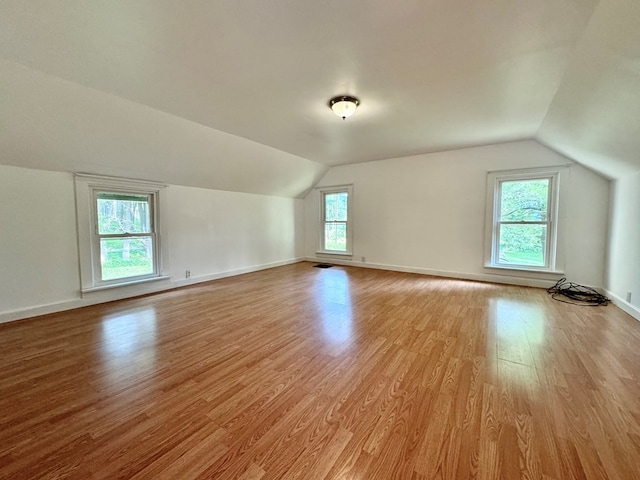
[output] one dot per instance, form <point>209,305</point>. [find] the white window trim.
<point>86,186</point>
<point>555,252</point>
<point>348,189</point>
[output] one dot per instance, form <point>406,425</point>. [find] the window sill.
<point>338,254</point>
<point>125,284</point>
<point>524,269</point>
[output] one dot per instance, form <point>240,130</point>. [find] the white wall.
<point>426,213</point>
<point>38,242</point>
<point>623,272</point>
<point>213,233</point>
<point>216,231</point>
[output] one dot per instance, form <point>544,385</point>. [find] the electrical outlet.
<point>629,297</point>
<point>187,274</point>
<point>364,259</point>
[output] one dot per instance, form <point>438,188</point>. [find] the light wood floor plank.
<point>298,372</point>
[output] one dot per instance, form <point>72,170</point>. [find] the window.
<point>118,232</point>
<point>124,235</point>
<point>335,213</point>
<point>523,207</point>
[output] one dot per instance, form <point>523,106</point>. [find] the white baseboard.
<point>480,277</point>
<point>623,305</point>
<point>121,293</point>
<point>13,315</point>
<point>232,273</point>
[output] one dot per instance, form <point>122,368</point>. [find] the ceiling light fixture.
<point>344,106</point>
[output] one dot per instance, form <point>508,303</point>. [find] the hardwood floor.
<point>343,373</point>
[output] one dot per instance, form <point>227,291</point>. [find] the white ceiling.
<point>595,116</point>
<point>233,94</point>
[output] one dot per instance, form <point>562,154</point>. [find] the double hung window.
<point>335,212</point>
<point>125,235</point>
<point>523,226</point>
<point>118,231</point>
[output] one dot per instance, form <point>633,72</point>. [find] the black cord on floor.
<point>576,294</point>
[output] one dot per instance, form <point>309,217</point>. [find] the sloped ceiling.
<point>595,116</point>
<point>233,94</point>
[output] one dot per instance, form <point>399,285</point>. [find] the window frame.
<point>87,189</point>
<point>323,192</point>
<point>552,253</point>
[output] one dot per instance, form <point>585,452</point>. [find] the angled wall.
<point>48,123</point>
<point>594,117</point>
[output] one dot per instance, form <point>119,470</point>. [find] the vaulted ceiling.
<point>233,94</point>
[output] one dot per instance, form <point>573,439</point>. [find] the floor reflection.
<point>518,321</point>
<point>334,306</point>
<point>128,345</point>
<point>520,331</point>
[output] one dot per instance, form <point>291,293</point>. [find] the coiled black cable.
<point>576,294</point>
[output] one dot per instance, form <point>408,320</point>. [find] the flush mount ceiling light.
<point>344,106</point>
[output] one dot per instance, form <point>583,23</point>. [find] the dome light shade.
<point>344,106</point>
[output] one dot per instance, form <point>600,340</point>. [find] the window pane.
<point>524,200</point>
<point>123,213</point>
<point>335,207</point>
<point>126,257</point>
<point>523,245</point>
<point>335,237</point>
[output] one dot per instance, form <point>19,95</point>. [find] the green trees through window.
<point>125,231</point>
<point>523,225</point>
<point>335,221</point>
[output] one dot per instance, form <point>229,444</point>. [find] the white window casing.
<point>553,225</point>
<point>88,189</point>
<point>341,223</point>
